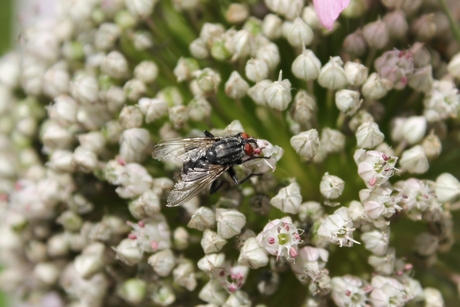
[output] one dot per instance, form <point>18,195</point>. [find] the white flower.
<point>347,101</point>
<point>288,199</point>
<point>236,87</point>
<point>309,263</point>
<point>414,129</point>
<point>280,238</point>
<point>278,94</point>
<point>331,186</point>
<point>202,219</point>
<point>298,33</point>
<point>374,167</point>
<point>414,160</point>
<point>442,102</point>
<point>184,275</point>
<point>151,234</point>
<point>338,228</point>
<point>140,8</point>
<point>252,254</point>
<point>211,242</point>
<point>162,262</point>
<point>377,241</point>
<point>128,252</point>
<point>386,291</point>
<point>447,187</point>
<point>349,291</point>
<point>229,222</point>
<point>332,75</point>
<point>380,202</point>
<point>306,143</point>
<point>133,144</point>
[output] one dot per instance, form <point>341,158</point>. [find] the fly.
<point>204,160</point>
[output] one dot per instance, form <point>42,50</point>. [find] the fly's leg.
<point>216,185</point>
<point>208,134</point>
<point>232,174</point>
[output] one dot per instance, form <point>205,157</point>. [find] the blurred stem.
<point>453,25</point>
<point>370,57</point>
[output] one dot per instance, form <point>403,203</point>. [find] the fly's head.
<point>251,148</point>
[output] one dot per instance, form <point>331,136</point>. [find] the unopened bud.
<point>331,186</point>
<point>288,199</point>
<point>162,262</point>
<point>271,26</point>
<point>306,143</point>
<point>375,87</point>
<point>298,33</point>
<point>421,79</point>
<point>432,146</point>
<point>202,219</point>
<point>355,43</point>
<point>447,187</point>
<point>115,65</point>
<point>133,290</point>
<point>347,101</point>
<point>306,66</point>
<point>414,129</point>
<point>396,23</point>
<point>236,87</point>
<point>198,49</point>
<point>424,27</point>
<point>369,135</point>
<point>256,70</point>
<point>128,252</point>
<point>356,73</point>
<point>212,242</point>
<point>185,68</point>
<point>229,222</point>
<point>376,34</point>
<point>146,71</point>
<point>252,254</point>
<point>278,94</point>
<point>414,160</point>
<point>237,13</point>
<point>134,89</point>
<point>332,75</point>
<point>131,117</point>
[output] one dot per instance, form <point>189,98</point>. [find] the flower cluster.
<point>352,190</point>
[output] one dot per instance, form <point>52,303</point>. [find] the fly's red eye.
<point>244,135</point>
<point>248,149</point>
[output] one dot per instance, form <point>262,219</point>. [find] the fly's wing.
<point>193,182</point>
<point>182,150</point>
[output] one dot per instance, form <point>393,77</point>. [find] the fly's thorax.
<point>226,151</point>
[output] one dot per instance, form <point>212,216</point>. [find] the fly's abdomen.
<point>226,151</point>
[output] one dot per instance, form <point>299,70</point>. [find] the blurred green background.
<point>6,39</point>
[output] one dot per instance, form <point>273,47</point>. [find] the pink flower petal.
<point>329,10</point>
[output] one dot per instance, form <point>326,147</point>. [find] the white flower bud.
<point>185,68</point>
<point>202,219</point>
<point>432,146</point>
<point>115,98</point>
<point>35,251</point>
<point>58,245</point>
<point>270,54</point>
<point>134,89</point>
<point>112,131</point>
<point>153,108</point>
<point>252,254</point>
<point>331,140</point>
<point>421,79</point>
<point>271,26</point>
<point>355,43</point>
<point>106,35</point>
<point>84,160</point>
<point>396,23</point>
<point>213,293</point>
<point>347,101</point>
<point>140,8</point>
<point>229,222</point>
<point>162,262</point>
<point>414,160</point>
<point>331,186</point>
<point>414,129</point>
<point>447,187</point>
<point>133,144</point>
<point>128,252</point>
<point>424,27</point>
<point>306,143</point>
<point>211,242</point>
<point>184,275</point>
<point>376,241</point>
<point>433,297</point>
<point>454,66</point>
<point>90,261</point>
<point>257,92</point>
<point>178,115</point>
<point>332,75</point>
<point>310,17</point>
<point>85,89</point>
<point>147,205</point>
<point>288,199</point>
<point>132,290</point>
<point>426,244</point>
<point>256,70</point>
<point>61,161</point>
<point>70,221</point>
<point>93,141</point>
<point>181,238</point>
<point>278,94</point>
<point>375,87</point>
<point>244,44</point>
<point>115,65</point>
<point>376,34</point>
<point>130,117</point>
<point>212,264</point>
<point>298,33</point>
<point>56,81</point>
<point>223,47</point>
<point>236,87</point>
<point>146,71</point>
<point>10,69</point>
<point>198,49</point>
<point>238,299</point>
<point>306,66</point>
<point>356,73</point>
<point>199,109</point>
<point>47,272</point>
<point>237,13</point>
<point>369,135</point>
<point>207,80</point>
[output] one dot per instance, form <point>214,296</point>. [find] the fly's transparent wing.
<point>193,182</point>
<point>182,150</point>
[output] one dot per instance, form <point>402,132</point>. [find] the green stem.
<point>453,25</point>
